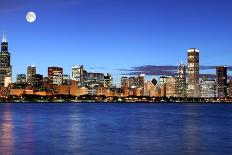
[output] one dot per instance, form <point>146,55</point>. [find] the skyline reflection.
<point>6,132</point>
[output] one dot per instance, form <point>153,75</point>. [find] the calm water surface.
<point>119,129</point>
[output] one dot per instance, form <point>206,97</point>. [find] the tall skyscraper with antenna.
<point>5,64</point>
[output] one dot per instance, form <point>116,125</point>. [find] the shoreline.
<point>102,102</point>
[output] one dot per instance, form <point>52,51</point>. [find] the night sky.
<point>107,35</point>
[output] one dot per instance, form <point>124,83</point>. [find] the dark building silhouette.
<point>221,81</point>
<point>21,78</point>
<point>38,82</point>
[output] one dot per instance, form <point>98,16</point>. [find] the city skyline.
<point>149,70</point>
<point>183,86</point>
<point>139,33</point>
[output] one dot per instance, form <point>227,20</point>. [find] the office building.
<point>207,88</point>
<point>5,63</point>
<point>108,80</point>
<point>163,80</point>
<point>171,83</point>
<point>66,79</point>
<point>31,71</point>
<point>93,80</point>
<point>21,79</point>
<point>181,81</point>
<point>78,74</point>
<point>221,81</point>
<point>193,72</point>
<point>55,75</point>
<point>38,82</point>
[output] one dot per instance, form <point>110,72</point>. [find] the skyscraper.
<point>171,86</point>
<point>5,65</point>
<point>132,82</point>
<point>125,85</point>
<point>38,82</point>
<point>55,75</point>
<point>181,81</point>
<point>163,80</point>
<point>193,72</point>
<point>108,80</point>
<point>221,81</point>
<point>31,71</point>
<point>140,80</point>
<point>21,79</point>
<point>66,79</point>
<point>78,74</point>
<point>207,88</point>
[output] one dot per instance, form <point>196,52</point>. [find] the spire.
<point>4,38</point>
<point>181,62</point>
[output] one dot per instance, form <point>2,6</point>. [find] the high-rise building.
<point>55,75</point>
<point>124,85</point>
<point>93,80</point>
<point>193,72</point>
<point>31,71</point>
<point>181,81</point>
<point>108,80</point>
<point>78,74</point>
<point>171,83</point>
<point>221,81</point>
<point>132,82</point>
<point>38,82</point>
<point>140,80</point>
<point>8,81</point>
<point>21,79</point>
<point>163,80</point>
<point>229,93</point>
<point>66,79</point>
<point>151,90</point>
<point>207,88</point>
<point>5,64</point>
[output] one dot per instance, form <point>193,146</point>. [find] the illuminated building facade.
<point>93,80</point>
<point>171,83</point>
<point>78,74</point>
<point>125,85</point>
<point>181,81</point>
<point>55,75</point>
<point>207,88</point>
<point>193,72</point>
<point>163,80</point>
<point>31,71</point>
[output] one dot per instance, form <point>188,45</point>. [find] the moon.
<point>31,17</point>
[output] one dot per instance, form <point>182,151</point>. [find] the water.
<point>119,129</point>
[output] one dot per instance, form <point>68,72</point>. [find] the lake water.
<point>119,129</point>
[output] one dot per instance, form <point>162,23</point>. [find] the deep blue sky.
<point>113,34</point>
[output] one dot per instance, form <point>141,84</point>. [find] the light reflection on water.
<point>6,134</point>
<point>115,129</point>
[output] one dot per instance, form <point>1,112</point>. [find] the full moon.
<point>31,17</point>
